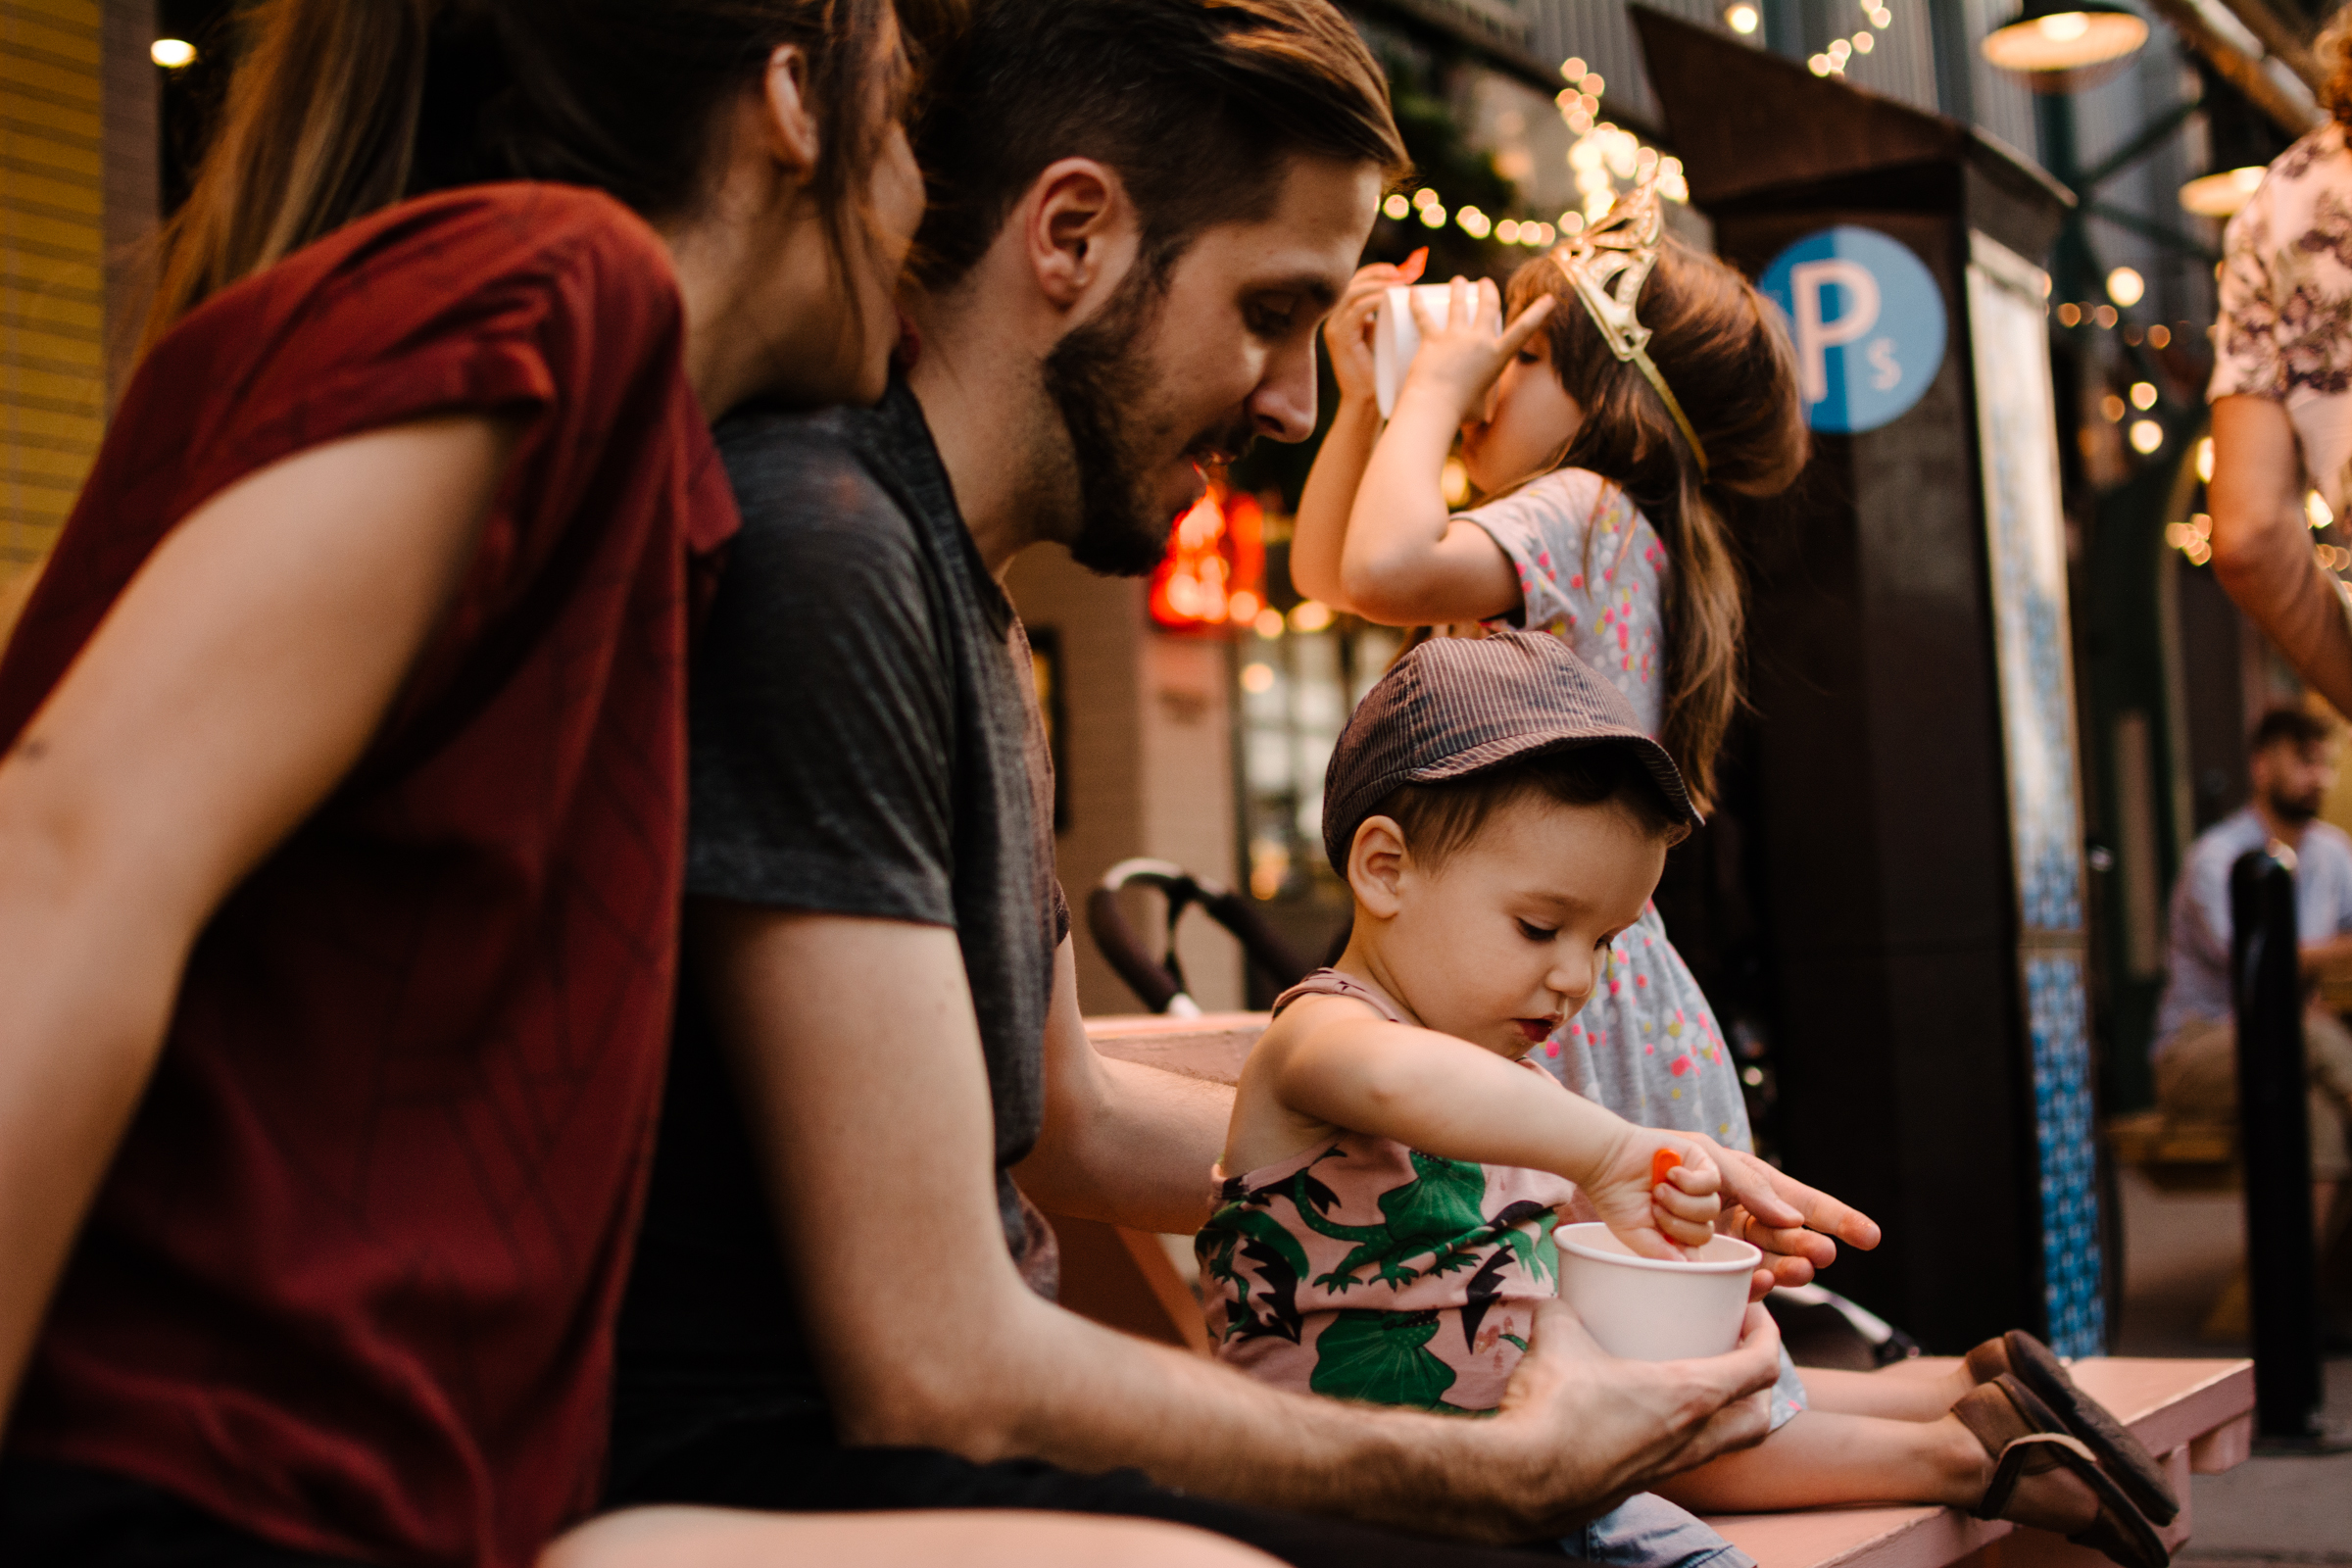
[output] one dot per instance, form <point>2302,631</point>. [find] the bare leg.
<point>1822,1458</point>
<point>716,1537</point>
<point>1901,1393</point>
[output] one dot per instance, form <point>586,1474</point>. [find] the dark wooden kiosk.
<point>1898,868</point>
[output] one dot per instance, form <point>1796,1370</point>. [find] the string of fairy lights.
<point>1743,17</point>
<point>1603,153</point>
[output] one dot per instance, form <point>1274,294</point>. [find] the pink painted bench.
<point>2197,1416</point>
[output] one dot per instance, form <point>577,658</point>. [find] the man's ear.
<point>1377,861</point>
<point>788,125</point>
<point>1078,229</point>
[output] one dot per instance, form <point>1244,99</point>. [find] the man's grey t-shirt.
<point>864,742</point>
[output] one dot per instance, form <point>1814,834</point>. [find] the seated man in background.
<point>2292,767</point>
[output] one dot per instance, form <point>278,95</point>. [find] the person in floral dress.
<point>2281,391</point>
<point>1592,570</point>
<point>1571,544</point>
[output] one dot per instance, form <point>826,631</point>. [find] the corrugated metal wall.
<point>1601,32</point>
<point>1903,64</point>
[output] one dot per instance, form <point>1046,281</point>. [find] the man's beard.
<point>1100,377</point>
<point>2293,809</point>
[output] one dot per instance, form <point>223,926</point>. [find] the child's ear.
<point>1376,866</point>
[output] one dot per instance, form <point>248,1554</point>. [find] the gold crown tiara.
<point>1607,264</point>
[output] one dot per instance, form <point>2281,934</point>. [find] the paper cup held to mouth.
<point>1648,1310</point>
<point>1397,338</point>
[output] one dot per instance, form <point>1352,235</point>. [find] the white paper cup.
<point>1647,1309</point>
<point>1397,336</point>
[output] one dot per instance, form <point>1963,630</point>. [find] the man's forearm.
<point>2328,955</point>
<point>1091,1398</point>
<point>1577,1434</point>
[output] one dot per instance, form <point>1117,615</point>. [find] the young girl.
<point>1604,532</point>
<point>1500,820</point>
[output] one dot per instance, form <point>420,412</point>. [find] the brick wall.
<point>1148,758</point>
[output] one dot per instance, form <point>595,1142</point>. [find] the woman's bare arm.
<point>227,691</point>
<point>2262,545</point>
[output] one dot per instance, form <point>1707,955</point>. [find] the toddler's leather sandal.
<point>2121,1454</point>
<point>2028,1440</point>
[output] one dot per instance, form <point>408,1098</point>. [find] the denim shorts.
<point>1648,1531</point>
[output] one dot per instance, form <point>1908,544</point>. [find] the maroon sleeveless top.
<point>350,1281</point>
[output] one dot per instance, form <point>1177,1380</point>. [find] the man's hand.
<point>2328,957</point>
<point>1789,1222</point>
<point>1576,1423</point>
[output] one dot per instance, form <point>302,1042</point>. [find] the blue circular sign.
<point>1867,320</point>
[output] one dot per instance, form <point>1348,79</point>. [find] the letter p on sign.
<point>1858,314</point>
<point>1867,320</point>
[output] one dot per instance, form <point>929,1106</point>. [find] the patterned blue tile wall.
<point>2072,1278</point>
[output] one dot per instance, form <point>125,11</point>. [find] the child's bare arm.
<point>1331,484</point>
<point>1341,1064</point>
<point>1405,560</point>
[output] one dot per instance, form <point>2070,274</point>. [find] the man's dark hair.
<point>2293,724</point>
<point>1441,819</point>
<point>1198,104</point>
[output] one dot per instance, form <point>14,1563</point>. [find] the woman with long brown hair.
<point>341,815</point>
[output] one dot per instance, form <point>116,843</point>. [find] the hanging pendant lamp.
<point>2063,45</point>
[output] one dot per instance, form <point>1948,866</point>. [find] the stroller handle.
<point>1159,982</point>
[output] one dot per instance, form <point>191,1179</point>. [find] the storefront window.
<point>1299,680</point>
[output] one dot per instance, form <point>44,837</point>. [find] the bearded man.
<point>2292,767</point>
<point>1140,212</point>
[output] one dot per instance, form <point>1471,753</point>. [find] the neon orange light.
<point>1214,572</point>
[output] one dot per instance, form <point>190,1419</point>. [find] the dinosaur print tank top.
<point>1366,1271</point>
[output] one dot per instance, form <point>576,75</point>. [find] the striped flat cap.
<point>1458,706</point>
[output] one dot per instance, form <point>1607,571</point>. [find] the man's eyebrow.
<point>1317,289</point>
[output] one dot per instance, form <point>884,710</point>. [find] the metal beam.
<point>1490,43</point>
<point>2149,228</point>
<point>2281,38</point>
<point>2151,136</point>
<point>2239,68</point>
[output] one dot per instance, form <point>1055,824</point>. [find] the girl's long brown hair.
<point>341,107</point>
<point>1718,346</point>
<point>2333,48</point>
